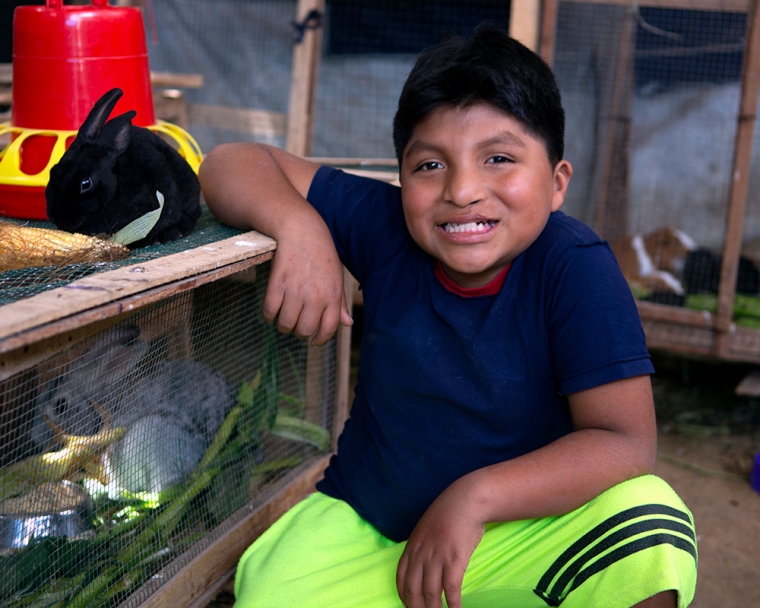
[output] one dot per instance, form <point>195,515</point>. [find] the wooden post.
<point>303,86</point>
<point>548,39</point>
<point>611,212</point>
<point>524,22</point>
<point>737,197</point>
<point>343,362</point>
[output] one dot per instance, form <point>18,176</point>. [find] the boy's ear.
<point>562,174</point>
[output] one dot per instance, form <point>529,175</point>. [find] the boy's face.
<point>477,190</point>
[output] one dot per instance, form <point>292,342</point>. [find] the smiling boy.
<point>502,432</point>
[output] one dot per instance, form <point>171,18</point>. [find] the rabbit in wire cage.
<point>170,409</point>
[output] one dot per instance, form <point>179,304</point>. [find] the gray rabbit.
<point>170,409</point>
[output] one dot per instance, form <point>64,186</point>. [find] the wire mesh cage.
<point>246,52</point>
<point>661,102</point>
<point>126,454</point>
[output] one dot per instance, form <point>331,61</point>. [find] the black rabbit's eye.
<point>60,406</point>
<point>85,185</point>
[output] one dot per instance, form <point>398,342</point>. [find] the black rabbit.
<point>111,175</point>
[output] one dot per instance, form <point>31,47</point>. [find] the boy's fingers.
<point>345,315</point>
<point>331,318</point>
<point>327,327</point>
<point>273,300</point>
<point>432,588</point>
<point>401,577</point>
<point>452,585</point>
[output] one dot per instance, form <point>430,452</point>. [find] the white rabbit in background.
<point>170,409</point>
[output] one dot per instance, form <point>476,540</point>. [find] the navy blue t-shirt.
<point>449,384</point>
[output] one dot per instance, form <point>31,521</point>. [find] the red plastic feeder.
<point>64,59</point>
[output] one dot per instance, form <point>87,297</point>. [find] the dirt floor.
<point>708,437</point>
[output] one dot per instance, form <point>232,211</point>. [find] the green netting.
<point>18,284</point>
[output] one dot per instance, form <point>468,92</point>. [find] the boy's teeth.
<point>468,227</point>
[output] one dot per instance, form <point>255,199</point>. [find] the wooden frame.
<point>689,332</point>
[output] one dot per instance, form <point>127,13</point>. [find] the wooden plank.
<point>342,403</point>
<point>548,33</point>
<point>673,337</point>
<point>169,80</point>
<point>112,287</point>
<point>303,86</point>
<point>729,6</point>
<point>176,80</point>
<point>739,188</point>
<point>611,208</point>
<point>524,22</point>
<point>216,560</point>
<point>31,347</point>
<point>675,315</point>
<point>247,120</point>
<point>743,344</point>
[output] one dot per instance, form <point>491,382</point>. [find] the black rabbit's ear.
<point>116,133</point>
<point>99,113</point>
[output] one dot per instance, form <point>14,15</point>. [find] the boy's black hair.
<point>488,67</point>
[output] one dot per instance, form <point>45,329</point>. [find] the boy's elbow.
<point>643,455</point>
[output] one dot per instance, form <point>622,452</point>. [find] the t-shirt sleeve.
<point>364,216</point>
<point>596,336</point>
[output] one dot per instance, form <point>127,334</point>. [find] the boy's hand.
<point>305,292</point>
<point>439,550</point>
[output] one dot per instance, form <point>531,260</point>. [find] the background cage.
<point>194,319</point>
<point>661,98</point>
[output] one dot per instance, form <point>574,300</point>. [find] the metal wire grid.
<point>651,121</point>
<point>195,396</point>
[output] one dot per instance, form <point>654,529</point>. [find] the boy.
<point>502,432</point>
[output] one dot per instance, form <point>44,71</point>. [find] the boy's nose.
<point>463,187</point>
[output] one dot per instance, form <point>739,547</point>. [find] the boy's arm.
<point>264,188</point>
<point>615,439</point>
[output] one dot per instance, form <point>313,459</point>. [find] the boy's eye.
<point>429,166</point>
<point>498,159</point>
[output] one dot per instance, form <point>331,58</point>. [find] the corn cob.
<point>27,247</point>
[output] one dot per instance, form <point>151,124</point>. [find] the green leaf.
<point>296,429</point>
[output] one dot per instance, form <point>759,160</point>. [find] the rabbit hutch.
<point>661,99</point>
<point>152,424</point>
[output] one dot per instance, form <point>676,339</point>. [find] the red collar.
<point>490,289</point>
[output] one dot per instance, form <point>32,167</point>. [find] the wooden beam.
<point>728,6</point>
<point>524,22</point>
<point>675,315</point>
<point>97,296</point>
<point>176,80</point>
<point>168,80</point>
<point>548,34</point>
<point>303,86</point>
<point>343,362</point>
<point>611,208</point>
<point>739,188</point>
<point>246,120</point>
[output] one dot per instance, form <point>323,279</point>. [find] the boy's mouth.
<point>453,227</point>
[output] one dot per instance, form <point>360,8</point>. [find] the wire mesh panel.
<point>244,49</point>
<point>125,455</point>
<point>368,51</point>
<point>652,96</point>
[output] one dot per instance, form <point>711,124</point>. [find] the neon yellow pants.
<point>631,542</point>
